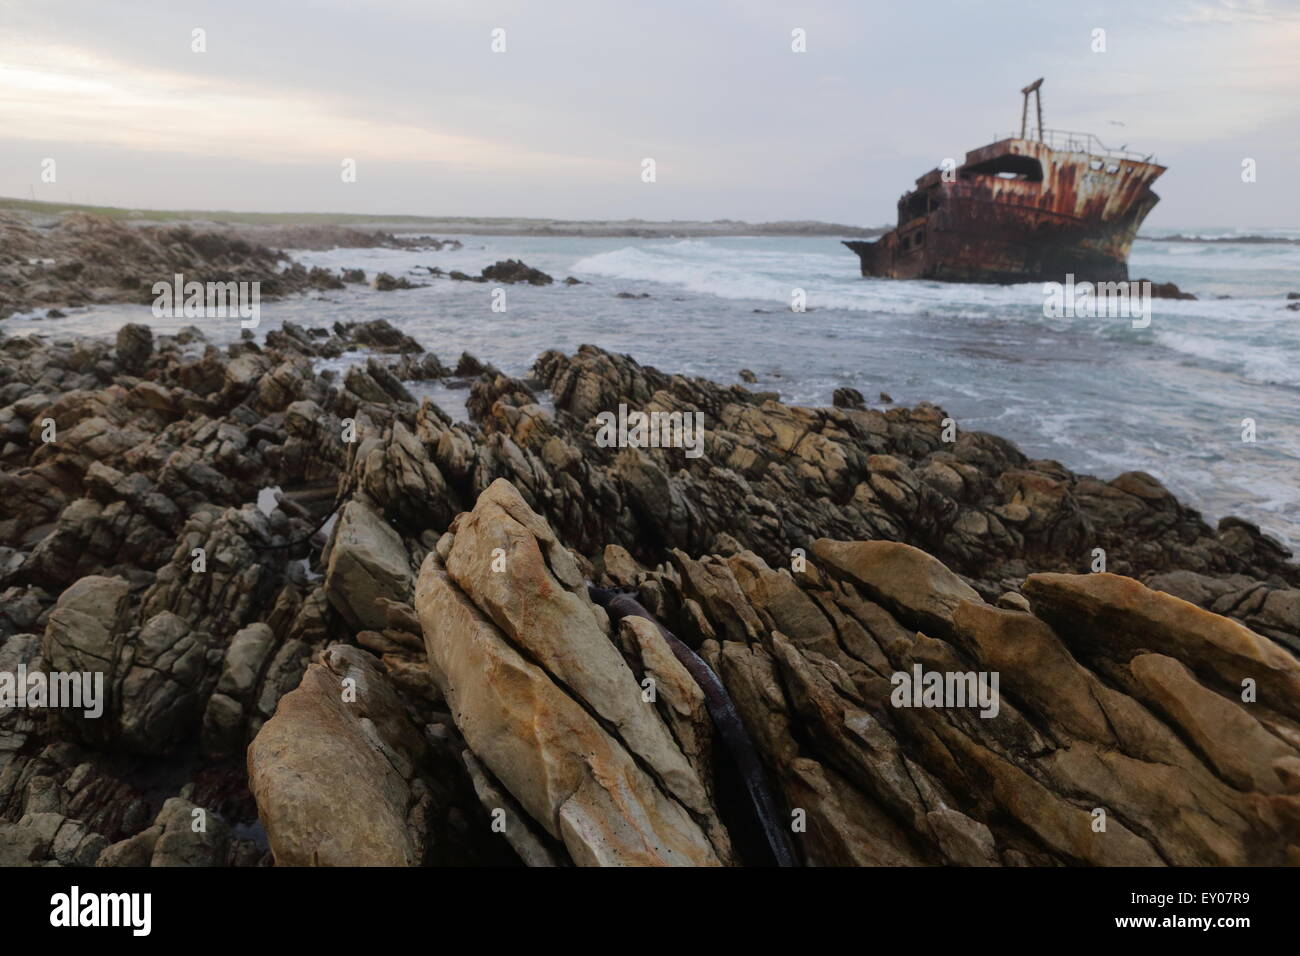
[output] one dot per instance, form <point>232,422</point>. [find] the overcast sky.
<point>558,125</point>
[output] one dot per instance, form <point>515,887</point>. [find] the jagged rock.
<point>21,845</point>
<point>155,682</point>
<point>84,636</point>
<point>236,582</point>
<point>98,259</point>
<point>54,838</point>
<point>809,554</point>
<point>165,686</point>
<point>376,384</point>
<point>848,398</point>
<point>134,347</point>
<point>227,709</point>
<point>595,797</point>
<point>189,838</point>
<point>899,576</point>
<point>1166,290</point>
<point>336,771</point>
<point>512,270</point>
<point>1241,749</point>
<point>136,850</point>
<point>379,335</point>
<point>939,783</point>
<point>366,562</point>
<point>383,282</point>
<point>858,474</point>
<point>1136,618</point>
<point>488,390</point>
<point>468,365</point>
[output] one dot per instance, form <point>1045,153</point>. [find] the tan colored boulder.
<point>679,698</point>
<point>1238,746</point>
<point>547,703</point>
<point>540,602</point>
<point>550,753</point>
<point>333,777</point>
<point>1033,661</point>
<point>913,584</point>
<point>1135,618</point>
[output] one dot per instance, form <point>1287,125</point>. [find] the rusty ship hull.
<point>1019,210</point>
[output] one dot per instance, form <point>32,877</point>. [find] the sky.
<point>558,124</point>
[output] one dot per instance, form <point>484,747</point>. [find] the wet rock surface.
<point>508,271</point>
<point>347,629</point>
<point>85,259</point>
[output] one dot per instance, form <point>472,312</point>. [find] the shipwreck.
<point>1021,209</point>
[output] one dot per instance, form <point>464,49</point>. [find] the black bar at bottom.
<point>335,905</point>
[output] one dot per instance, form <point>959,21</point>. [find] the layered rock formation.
<point>546,701</point>
<point>1121,735</point>
<point>390,607</point>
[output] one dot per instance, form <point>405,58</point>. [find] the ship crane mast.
<point>1034,88</point>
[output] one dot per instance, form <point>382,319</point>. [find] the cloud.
<point>51,93</point>
<point>740,125</point>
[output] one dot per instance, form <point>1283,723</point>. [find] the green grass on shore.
<point>211,215</point>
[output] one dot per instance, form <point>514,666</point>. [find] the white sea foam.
<point>1097,395</point>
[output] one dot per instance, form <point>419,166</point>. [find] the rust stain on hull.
<point>1020,210</point>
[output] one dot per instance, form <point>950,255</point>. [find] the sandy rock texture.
<point>343,628</point>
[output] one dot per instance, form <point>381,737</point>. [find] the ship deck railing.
<point>1068,141</point>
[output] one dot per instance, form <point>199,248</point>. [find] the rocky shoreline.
<point>341,628</point>
<point>82,260</point>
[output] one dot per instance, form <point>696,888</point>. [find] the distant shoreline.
<point>44,213</point>
<point>1247,240</point>
<point>250,223</point>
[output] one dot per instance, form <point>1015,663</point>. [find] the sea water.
<point>1095,394</point>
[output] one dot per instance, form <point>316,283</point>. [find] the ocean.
<point>1095,394</point>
